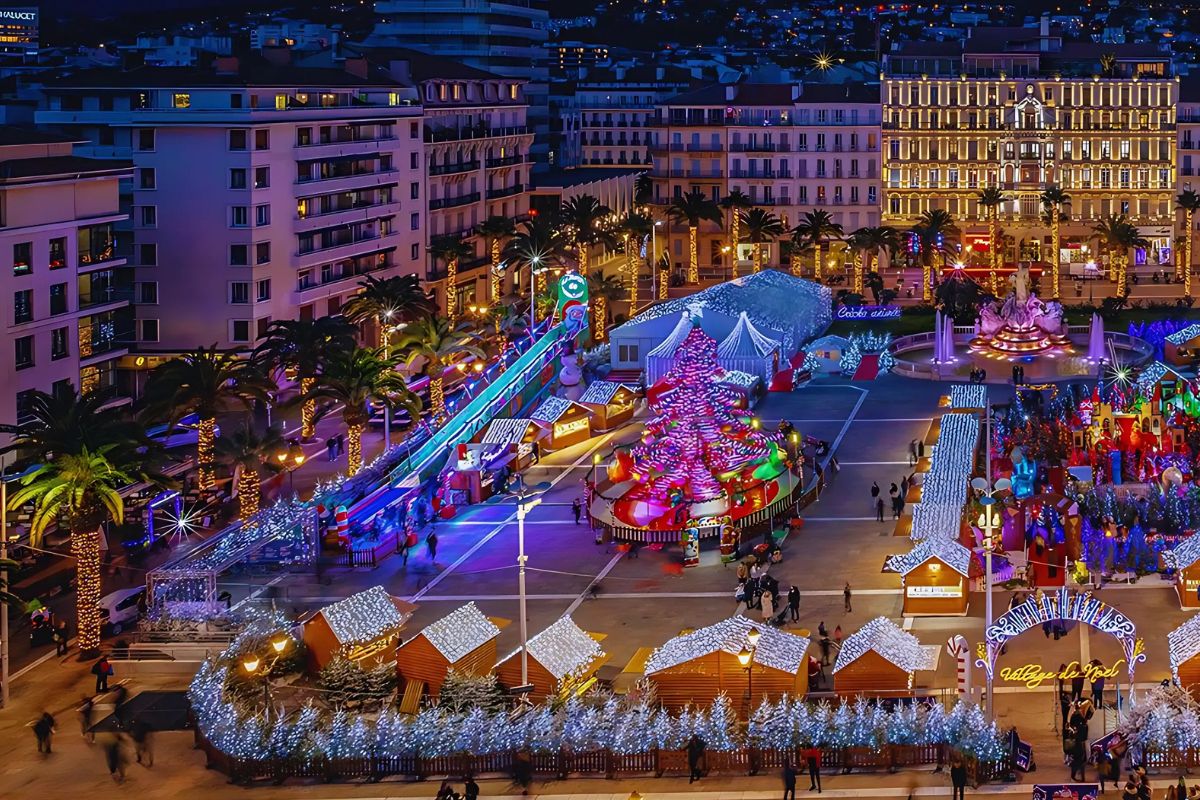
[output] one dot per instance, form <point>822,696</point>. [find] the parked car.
<point>184,433</point>
<point>119,610</point>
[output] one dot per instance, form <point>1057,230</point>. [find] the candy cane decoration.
<point>341,521</point>
<point>958,647</point>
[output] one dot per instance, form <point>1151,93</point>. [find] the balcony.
<point>699,174</point>
<point>343,271</point>
<point>473,132</point>
<point>453,202</point>
<point>345,135</point>
<point>507,161</point>
<point>341,174</point>
<point>104,296</point>
<point>757,147</point>
<point>496,194</point>
<point>451,169</point>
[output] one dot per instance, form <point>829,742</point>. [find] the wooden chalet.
<point>610,403</point>
<point>880,659</point>
<point>935,574</point>
<point>363,627</point>
<point>1184,558</point>
<point>567,422</point>
<point>463,640</point>
<point>562,659</point>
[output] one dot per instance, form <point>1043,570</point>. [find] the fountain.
<point>1022,325</point>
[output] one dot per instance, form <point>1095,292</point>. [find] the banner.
<point>1066,791</point>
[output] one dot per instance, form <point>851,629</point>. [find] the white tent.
<point>747,350</point>
<point>660,360</point>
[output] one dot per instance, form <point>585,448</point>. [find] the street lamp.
<point>745,657</point>
<point>654,258</point>
<point>989,520</point>
<point>290,459</point>
<point>522,511</point>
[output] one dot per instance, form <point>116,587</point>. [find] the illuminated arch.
<point>1056,606</point>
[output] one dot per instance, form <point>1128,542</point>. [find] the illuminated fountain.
<point>1022,325</point>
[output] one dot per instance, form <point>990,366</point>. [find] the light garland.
<point>693,274</point>
<point>775,649</point>
<point>206,437</point>
<point>884,637</point>
<point>364,617</point>
<point>664,281</point>
<point>948,551</point>
<point>308,411</point>
<point>935,520</point>
<point>354,456</point>
<point>494,273</point>
<point>451,291</point>
<point>459,632</point>
<point>739,379</point>
<point>1183,644</point>
<point>971,395</point>
<point>564,649</point>
<point>249,488</point>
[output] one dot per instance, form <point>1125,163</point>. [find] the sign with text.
<point>934,591</point>
<point>1065,791</point>
<point>1033,676</point>
<point>866,313</point>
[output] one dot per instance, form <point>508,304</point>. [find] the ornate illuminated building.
<point>1020,109</point>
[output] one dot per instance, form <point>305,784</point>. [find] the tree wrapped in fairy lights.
<point>698,439</point>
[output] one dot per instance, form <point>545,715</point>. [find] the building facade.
<point>1021,110</point>
<point>65,284</point>
<point>1187,120</point>
<point>260,191</point>
<point>791,148</point>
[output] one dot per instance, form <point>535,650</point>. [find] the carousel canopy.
<point>775,648</point>
<point>1183,643</point>
<point>889,641</point>
<point>747,350</point>
<point>948,551</point>
<point>460,632</point>
<point>564,648</point>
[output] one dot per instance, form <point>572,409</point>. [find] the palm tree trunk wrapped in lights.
<point>736,236</point>
<point>206,438</point>
<point>1120,260</point>
<point>451,289</point>
<point>437,399</point>
<point>858,272</point>
<point>758,261</point>
<point>993,255</point>
<point>85,547</point>
<point>249,487</point>
<point>817,262</point>
<point>693,255</point>
<point>1188,219</point>
<point>631,272</point>
<point>308,411</point>
<point>599,315</point>
<point>583,258</point>
<point>354,456</point>
<point>1054,249</point>
<point>494,285</point>
<point>539,288</point>
<point>795,263</point>
<point>926,270</point>
<point>664,277</point>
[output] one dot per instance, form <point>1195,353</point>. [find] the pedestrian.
<point>523,770</point>
<point>794,602</point>
<point>879,508</point>
<point>874,492</point>
<point>1104,763</point>
<point>695,755</point>
<point>331,448</point>
<point>444,792</point>
<point>897,507</point>
<point>119,696</point>
<point>471,789</point>
<point>341,444</point>
<point>904,487</point>
<point>576,509</point>
<point>86,710</point>
<point>1077,687</point>
<point>812,755</point>
<point>141,734</point>
<point>789,781</point>
<point>431,542</point>
<point>115,759</point>
<point>846,599</point>
<point>1078,759</point>
<point>1064,703</point>
<point>43,729</point>
<point>912,452</point>
<point>102,669</point>
<point>920,449</point>
<point>893,490</point>
<point>768,606</point>
<point>60,638</point>
<point>410,541</point>
<point>1130,792</point>
<point>1098,684</point>
<point>822,631</point>
<point>826,646</point>
<point>958,778</point>
<point>1046,631</point>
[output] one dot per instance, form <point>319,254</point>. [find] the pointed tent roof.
<point>667,347</point>
<point>745,341</point>
<point>948,551</point>
<point>776,649</point>
<point>889,641</point>
<point>461,631</point>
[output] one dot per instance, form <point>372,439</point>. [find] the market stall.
<point>362,628</point>
<point>565,421</point>
<point>880,659</point>
<point>1184,558</point>
<point>464,641</point>
<point>934,575</point>
<point>693,668</point>
<point>1182,348</point>
<point>1183,644</point>
<point>562,659</point>
<point>610,403</point>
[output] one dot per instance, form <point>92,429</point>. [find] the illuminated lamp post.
<point>745,657</point>
<point>989,520</point>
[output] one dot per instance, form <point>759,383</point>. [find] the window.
<point>239,255</point>
<point>262,291</point>
<point>262,215</point>
<point>239,330</point>
<point>235,101</point>
<point>22,306</point>
<point>58,299</point>
<point>23,257</point>
<point>304,280</point>
<point>149,216</point>
<point>147,178</point>
<point>148,255</point>
<point>239,216</point>
<point>23,355</point>
<point>303,137</point>
<point>145,139</point>
<point>627,353</point>
<point>181,100</point>
<point>262,177</point>
<point>414,221</point>
<point>262,139</point>
<point>414,190</point>
<point>148,293</point>
<point>58,252</point>
<point>148,330</point>
<point>262,252</point>
<point>261,326</point>
<point>237,178</point>
<point>239,292</point>
<point>412,160</point>
<point>58,343</point>
<point>237,139</point>
<point>414,252</point>
<point>414,130</point>
<point>281,102</point>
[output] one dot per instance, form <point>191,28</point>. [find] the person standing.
<point>695,755</point>
<point>897,507</point>
<point>789,781</point>
<point>958,779</point>
<point>1078,759</point>
<point>837,635</point>
<point>1076,684</point>
<point>331,448</point>
<point>846,598</point>
<point>912,452</point>
<point>794,602</point>
<point>60,638</point>
<point>822,631</point>
<point>879,509</point>
<point>1098,684</point>
<point>43,729</point>
<point>86,710</point>
<point>826,646</point>
<point>102,669</point>
<point>874,491</point>
<point>893,490</point>
<point>812,755</point>
<point>768,606</point>
<point>576,510</point>
<point>471,789</point>
<point>431,542</point>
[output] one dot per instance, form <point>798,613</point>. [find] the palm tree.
<point>603,290</point>
<point>496,229</point>
<point>356,379</point>
<point>633,230</point>
<point>691,209</point>
<point>991,199</point>
<point>1117,235</point>
<point>438,344</point>
<point>304,346</point>
<point>246,451</point>
<point>584,216</point>
<point>734,202</point>
<point>813,231</point>
<point>390,301</point>
<point>206,382</point>
<point>451,249</point>
<point>761,226</point>
<point>937,229</point>
<point>1053,200</point>
<point>869,241</point>
<point>66,422</point>
<point>537,245</point>
<point>1189,201</point>
<point>643,188</point>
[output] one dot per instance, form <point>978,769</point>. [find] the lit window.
<point>281,102</point>
<point>181,100</point>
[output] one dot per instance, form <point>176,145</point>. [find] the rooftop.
<point>60,166</point>
<point>366,616</point>
<point>564,648</point>
<point>776,649</point>
<point>248,72</point>
<point>948,551</point>
<point>11,135</point>
<point>889,641</point>
<point>461,631</point>
<point>1183,643</point>
<point>562,178</point>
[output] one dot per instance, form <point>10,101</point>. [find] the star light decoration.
<point>885,638</point>
<point>364,617</point>
<point>775,649</point>
<point>948,551</point>
<point>564,649</point>
<point>1183,643</point>
<point>459,632</point>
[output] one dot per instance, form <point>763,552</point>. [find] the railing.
<point>449,169</point>
<point>482,132</point>
<point>508,191</point>
<point>451,202</point>
<point>507,161</point>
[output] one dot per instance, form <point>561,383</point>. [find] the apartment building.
<point>1188,144</point>
<point>792,148</point>
<point>1021,109</point>
<point>260,191</point>
<point>65,285</point>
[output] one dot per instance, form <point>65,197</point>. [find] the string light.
<point>775,649</point>
<point>249,487</point>
<point>308,411</point>
<point>459,632</point>
<point>971,395</point>
<point>364,617</point>
<point>85,546</point>
<point>564,649</point>
<point>882,636</point>
<point>1183,644</point>
<point>452,290</point>
<point>354,457</point>
<point>206,436</point>
<point>948,551</point>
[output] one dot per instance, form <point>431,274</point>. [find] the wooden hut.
<point>1184,558</point>
<point>1183,644</point>
<point>696,667</point>
<point>1182,348</point>
<point>879,659</point>
<point>363,628</point>
<point>463,640</point>
<point>934,574</point>
<point>567,422</point>
<point>562,659</point>
<point>610,403</point>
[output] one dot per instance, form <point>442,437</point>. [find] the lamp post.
<point>291,459</point>
<point>252,661</point>
<point>4,584</point>
<point>522,511</point>
<point>745,657</point>
<point>654,258</point>
<point>989,520</point>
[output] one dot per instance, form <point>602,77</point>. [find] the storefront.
<point>934,576</point>
<point>566,422</point>
<point>611,404</point>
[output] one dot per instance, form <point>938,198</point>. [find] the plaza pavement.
<point>641,603</point>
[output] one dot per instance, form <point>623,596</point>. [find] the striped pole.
<point>958,647</point>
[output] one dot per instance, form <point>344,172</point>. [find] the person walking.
<point>879,509</point>
<point>1077,687</point>
<point>768,606</point>
<point>410,542</point>
<point>958,778</point>
<point>331,448</point>
<point>102,669</point>
<point>576,509</point>
<point>912,452</point>
<point>893,490</point>
<point>1098,684</point>
<point>789,781</point>
<point>115,759</point>
<point>60,638</point>
<point>86,711</point>
<point>822,631</point>
<point>837,635</point>
<point>812,755</point>
<point>1078,759</point>
<point>141,734</point>
<point>904,484</point>
<point>43,729</point>
<point>897,507</point>
<point>794,602</point>
<point>431,542</point>
<point>695,755</point>
<point>846,598</point>
<point>471,789</point>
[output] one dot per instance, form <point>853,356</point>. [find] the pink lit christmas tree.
<point>698,439</point>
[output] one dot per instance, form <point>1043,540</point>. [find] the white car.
<point>184,433</point>
<point>119,610</point>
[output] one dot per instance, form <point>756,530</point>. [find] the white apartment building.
<point>261,191</point>
<point>64,284</point>
<point>613,109</point>
<point>1187,119</point>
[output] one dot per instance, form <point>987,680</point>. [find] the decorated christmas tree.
<point>698,439</point>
